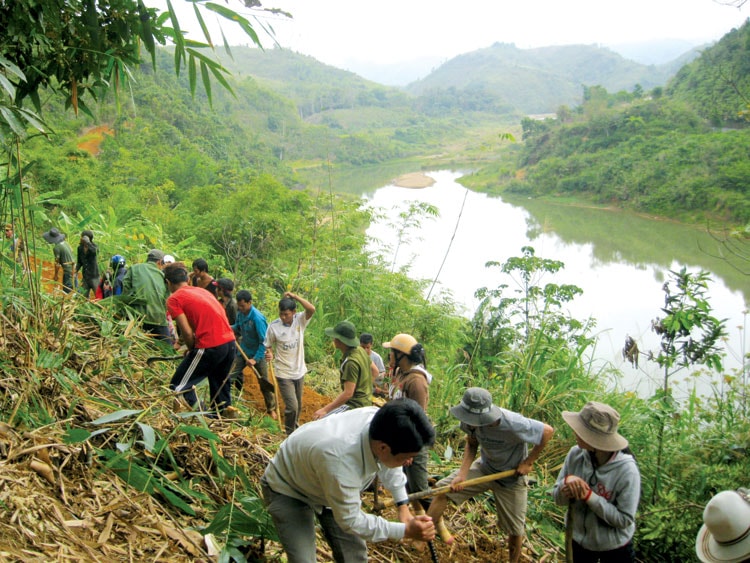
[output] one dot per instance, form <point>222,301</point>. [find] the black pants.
<point>624,554</point>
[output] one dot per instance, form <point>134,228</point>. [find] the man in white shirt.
<point>320,470</point>
<point>285,346</point>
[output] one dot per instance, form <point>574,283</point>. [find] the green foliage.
<point>717,84</point>
<point>689,336</point>
<point>508,321</point>
<point>84,48</point>
<point>649,155</point>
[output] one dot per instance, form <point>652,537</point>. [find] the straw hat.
<point>725,534</point>
<point>596,424</point>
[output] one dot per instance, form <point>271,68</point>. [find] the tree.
<point>80,47</point>
<point>689,336</point>
<point>83,49</point>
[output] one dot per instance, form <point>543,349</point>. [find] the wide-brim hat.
<point>476,408</point>
<point>345,332</point>
<point>725,534</point>
<point>53,236</point>
<point>596,424</point>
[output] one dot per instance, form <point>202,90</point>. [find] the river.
<point>619,259</point>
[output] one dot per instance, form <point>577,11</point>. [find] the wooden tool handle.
<point>447,488</point>
<point>247,360</point>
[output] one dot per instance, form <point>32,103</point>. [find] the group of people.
<point>190,309</point>
<point>321,467</point>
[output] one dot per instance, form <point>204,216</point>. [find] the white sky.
<point>392,31</point>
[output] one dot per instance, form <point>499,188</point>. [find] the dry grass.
<point>65,498</point>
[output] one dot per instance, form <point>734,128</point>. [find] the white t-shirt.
<point>378,361</point>
<point>288,345</point>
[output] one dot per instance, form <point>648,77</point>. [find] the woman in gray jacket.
<point>602,483</point>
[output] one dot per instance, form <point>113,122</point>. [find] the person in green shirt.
<point>356,376</point>
<point>144,290</point>
<point>63,257</point>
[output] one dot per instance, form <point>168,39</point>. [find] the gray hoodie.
<point>607,520</point>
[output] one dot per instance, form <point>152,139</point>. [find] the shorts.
<point>510,498</point>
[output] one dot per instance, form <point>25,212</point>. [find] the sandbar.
<point>413,180</point>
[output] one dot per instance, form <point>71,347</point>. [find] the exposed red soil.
<point>92,139</point>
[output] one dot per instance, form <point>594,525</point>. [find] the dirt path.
<point>311,400</point>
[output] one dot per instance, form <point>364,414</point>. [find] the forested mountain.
<point>539,80</point>
<point>289,111</point>
<point>500,79</point>
<point>717,84</point>
<point>649,152</point>
<point>314,86</point>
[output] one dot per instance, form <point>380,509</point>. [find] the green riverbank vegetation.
<point>682,151</point>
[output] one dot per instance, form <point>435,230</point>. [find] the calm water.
<point>619,260</point>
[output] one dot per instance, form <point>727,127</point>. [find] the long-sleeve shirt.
<point>143,288</point>
<point>607,520</point>
<point>252,329</point>
<point>327,463</point>
<point>86,261</point>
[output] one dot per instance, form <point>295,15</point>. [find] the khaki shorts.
<point>510,500</point>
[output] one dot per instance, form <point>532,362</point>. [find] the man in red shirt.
<point>203,327</point>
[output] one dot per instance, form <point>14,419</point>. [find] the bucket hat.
<point>476,408</point>
<point>154,255</point>
<point>596,424</point>
<point>345,332</point>
<point>53,236</point>
<point>725,534</point>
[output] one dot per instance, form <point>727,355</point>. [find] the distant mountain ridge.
<point>540,80</point>
<point>501,78</point>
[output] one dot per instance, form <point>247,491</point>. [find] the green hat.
<point>345,332</point>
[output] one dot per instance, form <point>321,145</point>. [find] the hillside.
<point>101,463</point>
<point>313,86</point>
<point>653,153</point>
<point>540,80</point>
<point>717,84</point>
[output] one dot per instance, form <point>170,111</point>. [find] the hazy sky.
<point>391,31</point>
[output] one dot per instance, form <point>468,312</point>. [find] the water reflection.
<point>620,261</point>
